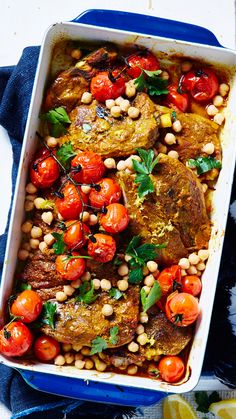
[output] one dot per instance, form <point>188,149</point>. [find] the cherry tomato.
<point>15,339</point>
<point>116,219</point>
<point>46,348</point>
<point>107,85</point>
<point>171,368</point>
<point>44,170</point>
<point>202,84</point>
<point>76,234</point>
<point>181,308</point>
<point>28,305</point>
<point>92,167</point>
<point>109,193</point>
<point>70,206</point>
<point>167,277</point>
<point>70,267</point>
<point>179,100</point>
<point>103,250</point>
<point>144,59</point>
<point>191,284</point>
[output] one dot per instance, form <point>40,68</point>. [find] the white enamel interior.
<point>220,200</point>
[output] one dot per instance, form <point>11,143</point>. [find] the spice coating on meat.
<point>111,137</point>
<point>79,323</point>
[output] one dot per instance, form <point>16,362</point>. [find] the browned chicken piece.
<point>175,214</point>
<point>79,323</point>
<point>121,358</point>
<point>93,129</point>
<point>68,87</point>
<point>169,339</point>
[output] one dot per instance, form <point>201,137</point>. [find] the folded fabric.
<point>15,92</point>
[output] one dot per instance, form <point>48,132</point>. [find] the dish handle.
<point>91,390</point>
<point>151,25</point>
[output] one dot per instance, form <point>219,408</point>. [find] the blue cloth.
<point>15,92</point>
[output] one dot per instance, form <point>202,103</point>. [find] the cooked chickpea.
<point>152,266</point>
<point>142,339</point>
<point>76,284</point>
<point>143,317</point>
<point>79,364</point>
<point>165,75</point>
<point>38,202</point>
<point>193,259</point>
<point>192,270</point>
<point>186,66</point>
<point>130,90</point>
<point>122,285</point>
<point>149,281</point>
<point>132,369</point>
<point>30,197</point>
<point>116,111</point>
<point>59,360</point>
<point>203,254</point>
<point>170,138</point>
<point>184,263</point>
<point>59,216</point>
<point>26,246</point>
<point>85,216</point>
<point>43,247</point>
<point>128,171</point>
<point>129,164</point>
<point>23,254</point>
<point>66,347</point>
<point>76,53</point>
<point>211,110</point>
<point>36,232</point>
<point>201,266</point>
<point>85,351</point>
<point>146,289</point>
<point>76,347</point>
<point>223,89</point>
<point>86,189</point>
<point>51,141</point>
<point>88,364</point>
<point>107,310</point>
<point>99,365</point>
<point>125,105</point>
<point>208,148</point>
<point>69,357</point>
<point>30,188</point>
<point>119,100</point>
<point>133,112</point>
<point>105,284</point>
<point>176,126</point>
<point>110,103</point>
<point>121,165</point>
<point>34,243</point>
<point>110,163</point>
<point>86,276</point>
<point>68,290</point>
<point>78,356</point>
<point>183,272</point>
<point>93,219</point>
<point>219,118</point>
<point>86,98</point>
<point>61,296</point>
<point>218,101</point>
<point>204,187</point>
<point>173,154</point>
<point>49,239</point>
<point>96,283</point>
<point>47,217</point>
<point>26,227</point>
<point>140,329</point>
<point>127,258</point>
<point>29,205</point>
<point>123,269</point>
<point>133,347</point>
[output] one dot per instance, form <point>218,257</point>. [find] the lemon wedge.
<point>226,409</point>
<point>176,407</point>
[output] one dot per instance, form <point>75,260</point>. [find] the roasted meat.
<point>93,128</point>
<point>121,358</point>
<point>78,323</point>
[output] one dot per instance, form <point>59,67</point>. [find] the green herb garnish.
<point>144,169</point>
<point>48,314</point>
<point>115,293</point>
<point>153,296</point>
<point>59,245</point>
<point>204,164</point>
<point>23,286</point>
<point>204,401</point>
<point>151,82</point>
<point>114,331</point>
<point>58,119</point>
<point>65,154</point>
<point>86,293</point>
<point>47,204</point>
<point>98,345</point>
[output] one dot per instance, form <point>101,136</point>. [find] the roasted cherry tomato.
<point>171,368</point>
<point>109,193</point>
<point>70,206</point>
<point>177,99</point>
<point>91,167</point>
<point>182,308</point>
<point>191,284</point>
<point>202,84</point>
<point>28,305</point>
<point>103,250</point>
<point>108,85</point>
<point>46,348</point>
<point>167,278</point>
<point>76,234</point>
<point>116,218</point>
<point>70,267</point>
<point>15,339</point>
<point>44,170</point>
<point>141,60</point>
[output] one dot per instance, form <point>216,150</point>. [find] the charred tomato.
<point>44,170</point>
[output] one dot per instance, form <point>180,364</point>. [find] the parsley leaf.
<point>47,204</point>
<point>86,293</point>
<point>23,286</point>
<point>48,314</point>
<point>65,154</point>
<point>152,82</point>
<point>57,118</point>
<point>135,276</point>
<point>204,164</point>
<point>115,293</point>
<point>153,296</point>
<point>204,401</point>
<point>59,245</point>
<point>144,169</point>
<point>113,339</point>
<point>98,345</point>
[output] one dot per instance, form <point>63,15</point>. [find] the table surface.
<point>24,23</point>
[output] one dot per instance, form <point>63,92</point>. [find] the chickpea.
<point>203,254</point>
<point>96,283</point>
<point>140,329</point>
<point>219,118</point>
<point>76,53</point>
<point>133,347</point>
<point>105,284</point>
<point>76,347</point>
<point>161,148</point>
<point>85,351</point>
<point>86,189</point>
<point>107,310</point>
<point>184,263</point>
<point>116,111</point>
<point>119,100</point>
<point>149,281</point>
<point>59,360</point>
<point>142,339</point>
<point>201,266</point>
<point>143,317</point>
<point>86,276</point>
<point>88,364</point>
<point>110,163</point>
<point>125,105</point>
<point>99,365</point>
<point>59,216</point>
<point>130,89</point>
<point>30,188</point>
<point>121,165</point>
<point>165,75</point>
<point>132,369</point>
<point>193,259</point>
<point>218,101</point>
<point>127,258</point>
<point>66,347</point>
<point>34,243</point>
<point>38,202</point>
<point>43,247</point>
<point>223,89</point>
<point>47,217</point>
<point>26,227</point>
<point>76,284</point>
<point>146,289</point>
<point>26,246</point>
<point>173,154</point>
<point>110,103</point>
<point>204,187</point>
<point>23,254</point>
<point>183,272</point>
<point>36,232</point>
<point>85,216</point>
<point>176,126</point>
<point>79,364</point>
<point>30,197</point>
<point>49,239</point>
<point>208,148</point>
<point>133,112</point>
<point>192,270</point>
<point>61,296</point>
<point>212,110</point>
<point>78,357</point>
<point>170,138</point>
<point>123,285</point>
<point>51,141</point>
<point>69,357</point>
<point>152,266</point>
<point>68,290</point>
<point>86,98</point>
<point>123,269</point>
<point>93,219</point>
<point>29,206</point>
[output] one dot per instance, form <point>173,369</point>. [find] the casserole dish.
<point>108,386</point>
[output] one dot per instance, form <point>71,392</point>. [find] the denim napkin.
<point>25,402</point>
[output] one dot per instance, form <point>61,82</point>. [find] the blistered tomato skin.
<point>171,368</point>
<point>76,234</point>
<point>103,250</point>
<point>192,285</point>
<point>167,277</point>
<point>105,86</point>
<point>92,167</point>
<point>142,60</point>
<point>46,348</point>
<point>182,308</point>
<point>70,268</point>
<point>70,206</point>
<point>28,305</point>
<point>178,100</point>
<point>19,341</point>
<point>44,170</point>
<point>202,84</point>
<point>116,218</point>
<point>109,193</point>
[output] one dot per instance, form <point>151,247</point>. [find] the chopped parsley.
<point>204,401</point>
<point>143,170</point>
<point>115,293</point>
<point>86,293</point>
<point>59,246</point>
<point>98,345</point>
<point>58,119</point>
<point>114,331</point>
<point>152,82</point>
<point>204,164</point>
<point>65,154</point>
<point>48,314</point>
